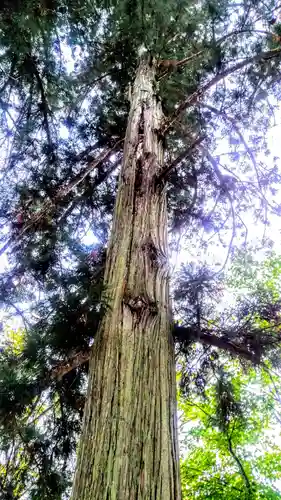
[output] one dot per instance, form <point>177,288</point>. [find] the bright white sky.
<point>255,231</point>
<point>189,253</point>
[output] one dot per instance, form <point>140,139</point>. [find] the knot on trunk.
<point>139,304</point>
<point>156,256</point>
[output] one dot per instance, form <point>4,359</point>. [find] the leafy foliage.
<point>64,74</point>
<point>231,439</point>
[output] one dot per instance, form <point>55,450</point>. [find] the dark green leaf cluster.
<point>65,67</point>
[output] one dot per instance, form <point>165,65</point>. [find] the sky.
<point>215,255</point>
<point>187,254</point>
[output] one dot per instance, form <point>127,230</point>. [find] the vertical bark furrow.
<point>128,445</point>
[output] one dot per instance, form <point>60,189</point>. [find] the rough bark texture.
<point>128,448</point>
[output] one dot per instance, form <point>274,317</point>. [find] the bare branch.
<point>180,333</point>
<point>44,104</point>
<point>187,59</point>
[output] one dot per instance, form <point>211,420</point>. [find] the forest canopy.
<point>68,90</point>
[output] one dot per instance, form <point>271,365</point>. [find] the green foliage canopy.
<point>64,74</point>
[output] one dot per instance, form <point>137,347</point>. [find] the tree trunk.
<point>128,448</point>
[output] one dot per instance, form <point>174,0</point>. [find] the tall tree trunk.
<point>128,448</point>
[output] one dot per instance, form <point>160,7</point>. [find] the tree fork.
<point>128,447</point>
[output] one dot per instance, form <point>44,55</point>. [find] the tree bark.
<point>129,448</point>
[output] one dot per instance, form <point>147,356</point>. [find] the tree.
<point>232,451</point>
<point>51,200</point>
<point>231,440</point>
<point>132,374</point>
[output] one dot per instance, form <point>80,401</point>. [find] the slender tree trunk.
<point>128,448</point>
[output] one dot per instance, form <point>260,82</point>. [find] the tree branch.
<point>78,359</point>
<point>193,98</point>
<point>240,466</point>
<point>165,172</point>
<point>185,334</point>
<point>248,150</point>
<point>187,59</point>
<point>62,192</point>
<point>44,103</point>
<point>180,334</point>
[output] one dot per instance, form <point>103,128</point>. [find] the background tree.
<point>66,69</point>
<point>232,450</point>
<point>230,424</point>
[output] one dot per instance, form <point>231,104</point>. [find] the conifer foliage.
<point>68,73</point>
